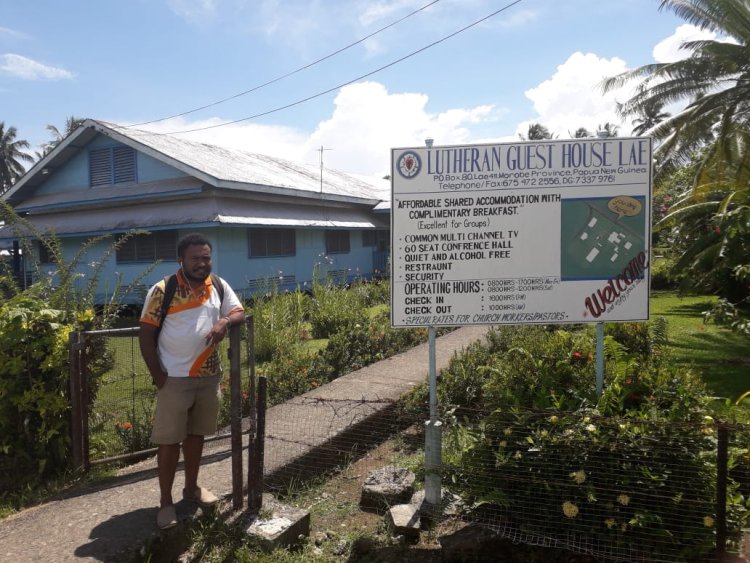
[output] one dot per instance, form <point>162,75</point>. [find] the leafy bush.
<point>334,308</point>
<point>33,391</point>
<point>662,276</point>
<point>279,322</point>
<point>375,292</point>
<point>634,336</point>
<point>540,452</point>
<point>290,375</point>
<point>362,344</point>
<point>622,484</point>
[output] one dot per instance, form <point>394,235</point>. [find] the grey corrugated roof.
<point>217,166</point>
<point>230,167</point>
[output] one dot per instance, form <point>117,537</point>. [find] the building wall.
<point>231,256</point>
<point>74,176</point>
<point>230,260</point>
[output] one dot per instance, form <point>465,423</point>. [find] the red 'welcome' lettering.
<point>597,302</point>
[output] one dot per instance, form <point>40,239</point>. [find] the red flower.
<point>717,230</point>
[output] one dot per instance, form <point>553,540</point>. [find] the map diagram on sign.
<point>600,236</point>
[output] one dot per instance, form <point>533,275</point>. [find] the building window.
<point>337,242</point>
<point>377,238</point>
<point>45,256</point>
<point>369,238</point>
<point>161,245</point>
<point>271,242</point>
<point>114,165</point>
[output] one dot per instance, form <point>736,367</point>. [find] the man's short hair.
<point>192,239</point>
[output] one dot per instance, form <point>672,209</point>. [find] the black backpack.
<point>170,286</point>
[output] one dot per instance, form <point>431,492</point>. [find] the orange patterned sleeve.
<point>151,313</point>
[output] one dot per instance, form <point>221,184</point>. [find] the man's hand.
<point>159,379</point>
<point>218,331</point>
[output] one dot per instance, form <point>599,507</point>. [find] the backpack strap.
<point>170,287</point>
<point>216,282</point>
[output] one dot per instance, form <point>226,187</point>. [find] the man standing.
<point>180,350</point>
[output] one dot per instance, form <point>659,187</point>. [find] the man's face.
<point>196,263</point>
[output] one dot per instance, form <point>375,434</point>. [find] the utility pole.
<point>320,150</point>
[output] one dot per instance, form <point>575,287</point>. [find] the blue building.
<point>269,220</point>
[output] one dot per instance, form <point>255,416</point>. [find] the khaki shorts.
<point>186,405</point>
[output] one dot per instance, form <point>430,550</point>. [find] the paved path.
<point>111,521</point>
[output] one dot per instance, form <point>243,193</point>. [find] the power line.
<point>288,74</point>
<point>329,90</point>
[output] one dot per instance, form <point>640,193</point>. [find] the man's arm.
<point>221,327</point>
<point>147,338</point>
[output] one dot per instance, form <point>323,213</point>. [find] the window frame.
<point>110,166</point>
<point>286,237</point>
<point>163,247</point>
<point>338,241</point>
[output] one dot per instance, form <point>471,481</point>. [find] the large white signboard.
<point>554,231</point>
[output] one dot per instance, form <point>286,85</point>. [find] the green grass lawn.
<point>719,355</point>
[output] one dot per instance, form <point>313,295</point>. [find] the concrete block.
<point>387,487</point>
<point>403,519</point>
<point>279,525</point>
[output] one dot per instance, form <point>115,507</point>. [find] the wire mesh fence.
<point>618,489</point>
<point>119,398</point>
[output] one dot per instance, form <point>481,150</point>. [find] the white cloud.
<point>375,12</point>
<point>573,98</point>
<point>513,19</point>
<point>368,121</point>
<point>12,33</point>
<point>194,11</point>
<point>669,50</point>
<point>28,69</point>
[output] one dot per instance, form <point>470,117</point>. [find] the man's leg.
<point>167,457</point>
<point>192,451</point>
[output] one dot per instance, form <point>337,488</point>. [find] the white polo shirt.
<point>182,347</point>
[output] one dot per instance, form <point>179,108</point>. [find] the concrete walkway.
<point>111,521</point>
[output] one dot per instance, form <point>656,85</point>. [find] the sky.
<point>137,61</point>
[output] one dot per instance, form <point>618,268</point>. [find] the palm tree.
<point>607,130</point>
<point>536,132</point>
<point>708,224</point>
<point>11,157</point>
<point>581,133</point>
<point>71,124</point>
<point>649,116</point>
<point>714,81</point>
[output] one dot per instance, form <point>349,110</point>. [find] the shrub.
<point>334,308</point>
<point>290,375</point>
<point>375,292</point>
<point>634,336</point>
<point>279,322</point>
<point>541,453</point>
<point>33,392</point>
<point>362,344</point>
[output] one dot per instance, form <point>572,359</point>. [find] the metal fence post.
<point>235,405</point>
<point>255,489</point>
<point>85,399</point>
<point>433,434</point>
<point>250,352</point>
<point>76,430</point>
<point>722,457</point>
